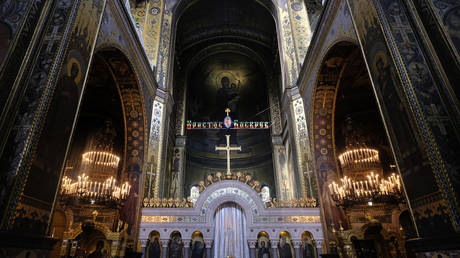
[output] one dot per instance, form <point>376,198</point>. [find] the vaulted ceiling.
<point>238,26</point>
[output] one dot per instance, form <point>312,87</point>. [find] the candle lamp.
<point>374,190</point>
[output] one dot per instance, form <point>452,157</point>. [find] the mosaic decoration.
<point>227,191</point>
<point>219,193</point>
<point>318,100</point>
<point>416,129</point>
<point>289,62</point>
<point>138,13</point>
<point>152,182</point>
<point>438,18</point>
<point>301,28</point>
<point>275,113</point>
<point>288,219</point>
<point>16,14</point>
<point>343,31</point>
<point>257,219</point>
<point>422,90</point>
<point>154,202</point>
<point>164,49</point>
<point>325,163</point>
<point>151,29</point>
<point>447,13</point>
<point>41,87</point>
<point>303,147</point>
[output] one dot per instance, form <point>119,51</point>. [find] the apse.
<point>225,51</point>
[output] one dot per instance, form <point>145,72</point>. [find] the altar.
<point>268,226</point>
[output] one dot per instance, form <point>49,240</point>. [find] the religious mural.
<point>197,245</point>
<point>175,246</point>
<point>62,110</point>
<point>410,149</point>
<point>228,81</point>
<point>285,248</point>
<point>263,246</point>
<point>226,61</point>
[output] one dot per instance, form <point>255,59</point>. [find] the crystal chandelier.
<point>96,183</point>
<point>373,189</point>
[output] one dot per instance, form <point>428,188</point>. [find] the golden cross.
<point>227,110</point>
<point>228,149</point>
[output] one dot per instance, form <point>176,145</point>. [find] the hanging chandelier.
<point>96,183</point>
<point>371,190</point>
<point>86,191</point>
<point>359,157</point>
<point>104,158</point>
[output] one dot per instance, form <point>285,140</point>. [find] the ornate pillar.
<point>294,34</point>
<point>420,112</point>
<point>164,248</point>
<point>155,169</point>
<point>48,59</point>
<point>274,244</point>
<point>147,16</point>
<point>252,248</point>
<point>276,132</point>
<point>163,64</point>
<point>209,248</point>
<point>186,247</point>
<point>293,108</point>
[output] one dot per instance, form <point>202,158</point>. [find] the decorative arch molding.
<point>74,233</point>
<point>317,52</point>
<point>132,98</point>
<point>135,135</point>
<point>327,81</point>
<point>230,191</point>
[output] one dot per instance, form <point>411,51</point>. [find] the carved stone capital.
<point>296,244</point>
<point>252,243</point>
<point>164,243</point>
<point>186,243</point>
<point>208,243</point>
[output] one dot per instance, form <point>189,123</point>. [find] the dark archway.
<point>112,106</point>
<point>346,115</point>
<point>324,98</point>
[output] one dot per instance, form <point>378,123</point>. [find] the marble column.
<point>274,244</point>
<point>296,245</point>
<point>252,248</point>
<point>208,244</point>
<point>164,249</point>
<point>186,248</point>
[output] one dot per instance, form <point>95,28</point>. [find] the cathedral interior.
<point>230,128</point>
